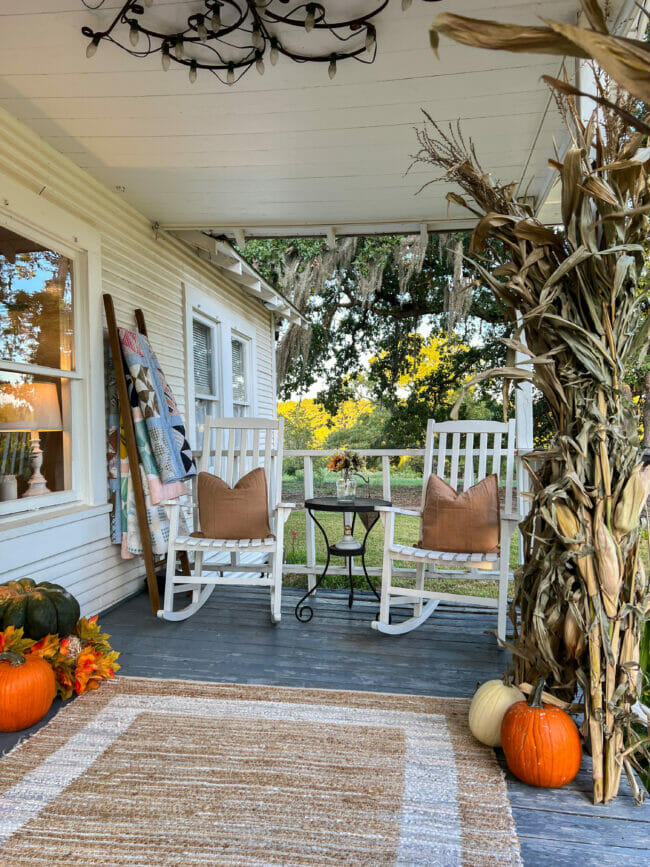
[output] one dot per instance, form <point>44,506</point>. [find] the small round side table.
<point>347,547</point>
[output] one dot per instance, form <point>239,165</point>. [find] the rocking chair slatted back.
<point>462,453</point>
<point>233,447</point>
<point>469,451</point>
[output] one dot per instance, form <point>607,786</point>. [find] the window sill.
<point>17,525</point>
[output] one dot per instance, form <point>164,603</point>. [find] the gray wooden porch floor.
<point>232,640</point>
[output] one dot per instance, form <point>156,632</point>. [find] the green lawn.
<point>406,532</point>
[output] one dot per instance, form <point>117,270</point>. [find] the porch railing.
<point>312,568</point>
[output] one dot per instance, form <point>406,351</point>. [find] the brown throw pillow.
<point>233,513</point>
<point>467,523</point>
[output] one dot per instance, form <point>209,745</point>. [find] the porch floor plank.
<point>232,640</point>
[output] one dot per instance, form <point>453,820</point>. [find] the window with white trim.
<point>39,381</point>
<point>205,358</point>
<point>240,377</point>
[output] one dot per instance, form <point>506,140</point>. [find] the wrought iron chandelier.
<point>228,37</point>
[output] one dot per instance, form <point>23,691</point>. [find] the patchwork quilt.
<point>165,456</point>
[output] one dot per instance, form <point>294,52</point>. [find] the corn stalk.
<point>581,596</point>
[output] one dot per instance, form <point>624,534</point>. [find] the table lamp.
<point>34,407</point>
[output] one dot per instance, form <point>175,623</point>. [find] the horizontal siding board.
<point>139,269</point>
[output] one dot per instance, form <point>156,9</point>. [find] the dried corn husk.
<point>581,595</point>
<point>567,521</point>
<point>626,60</point>
<point>574,637</point>
<point>608,567</point>
<point>628,508</point>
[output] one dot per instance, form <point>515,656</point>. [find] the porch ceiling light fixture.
<point>228,37</point>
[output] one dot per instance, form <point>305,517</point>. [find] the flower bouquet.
<point>349,464</point>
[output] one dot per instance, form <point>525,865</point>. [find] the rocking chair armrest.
<point>396,510</point>
<point>286,506</point>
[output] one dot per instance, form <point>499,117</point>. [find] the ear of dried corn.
<point>582,595</point>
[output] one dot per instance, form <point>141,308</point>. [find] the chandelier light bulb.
<point>274,53</point>
<point>134,34</point>
<point>193,72</point>
<point>91,48</point>
<point>216,19</point>
<point>310,19</point>
<point>165,59</point>
<point>332,68</point>
<point>370,38</point>
<point>178,48</point>
<point>259,64</point>
<point>230,77</point>
<point>406,4</point>
<point>201,29</point>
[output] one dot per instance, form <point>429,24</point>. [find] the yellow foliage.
<point>320,421</point>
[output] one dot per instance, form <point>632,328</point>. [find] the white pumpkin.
<point>490,702</point>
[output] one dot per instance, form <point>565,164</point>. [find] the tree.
<point>422,380</point>
<point>366,299</point>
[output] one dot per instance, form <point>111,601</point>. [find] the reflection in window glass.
<point>36,325</point>
<point>34,419</point>
<point>239,378</point>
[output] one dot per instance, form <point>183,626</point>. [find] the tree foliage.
<point>383,298</point>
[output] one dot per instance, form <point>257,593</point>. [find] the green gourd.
<point>40,609</point>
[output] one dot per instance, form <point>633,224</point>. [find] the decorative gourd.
<point>40,609</point>
<point>541,742</point>
<point>490,702</point>
<point>27,689</point>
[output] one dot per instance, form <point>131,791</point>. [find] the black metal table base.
<point>303,612</point>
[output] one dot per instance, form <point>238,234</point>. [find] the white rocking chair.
<point>481,444</point>
<point>242,444</point>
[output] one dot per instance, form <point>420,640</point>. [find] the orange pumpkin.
<point>27,689</point>
<point>541,742</point>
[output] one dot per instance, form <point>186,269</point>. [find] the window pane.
<point>202,352</point>
<point>202,409</point>
<point>34,413</point>
<point>35,303</point>
<point>239,388</point>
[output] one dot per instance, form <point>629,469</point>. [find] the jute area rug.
<point>158,772</point>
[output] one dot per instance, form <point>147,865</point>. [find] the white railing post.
<point>385,477</point>
<point>310,540</point>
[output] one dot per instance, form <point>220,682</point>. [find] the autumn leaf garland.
<point>79,661</point>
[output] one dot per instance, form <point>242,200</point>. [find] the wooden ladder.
<point>132,453</point>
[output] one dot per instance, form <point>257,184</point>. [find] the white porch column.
<point>524,431</point>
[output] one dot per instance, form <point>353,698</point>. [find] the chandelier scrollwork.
<point>229,37</point>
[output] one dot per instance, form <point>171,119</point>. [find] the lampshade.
<point>29,406</point>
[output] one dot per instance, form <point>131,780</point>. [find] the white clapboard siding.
<point>139,270</point>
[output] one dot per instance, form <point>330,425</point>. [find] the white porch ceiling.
<point>290,151</point>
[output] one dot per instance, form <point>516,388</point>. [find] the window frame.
<point>230,324</point>
<point>81,485</point>
<point>214,324</point>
